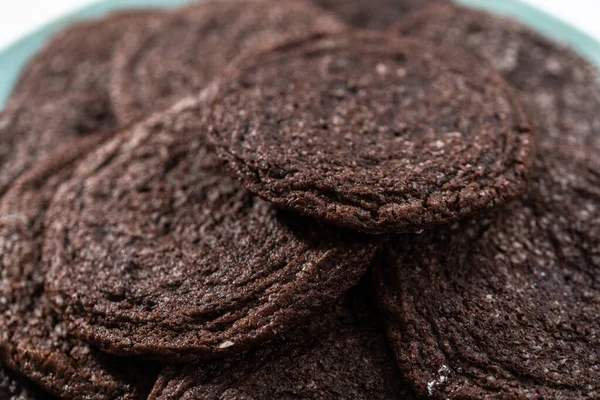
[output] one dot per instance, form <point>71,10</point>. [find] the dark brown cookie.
<point>13,387</point>
<point>504,305</point>
<point>33,339</point>
<point>340,355</point>
<point>154,70</point>
<point>372,132</point>
<point>162,255</point>
<point>30,131</point>
<point>553,80</point>
<point>78,60</point>
<point>372,14</point>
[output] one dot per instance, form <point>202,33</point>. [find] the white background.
<point>18,17</point>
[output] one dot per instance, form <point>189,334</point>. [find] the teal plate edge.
<point>14,57</point>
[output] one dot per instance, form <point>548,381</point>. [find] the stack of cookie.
<point>256,199</point>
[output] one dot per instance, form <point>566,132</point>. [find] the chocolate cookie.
<point>340,355</point>
<point>158,68</point>
<point>78,60</point>
<point>30,131</point>
<point>15,388</point>
<point>372,132</point>
<point>505,305</point>
<point>162,255</point>
<point>523,275</point>
<point>553,80</point>
<point>33,339</point>
<point>372,14</point>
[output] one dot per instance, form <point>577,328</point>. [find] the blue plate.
<point>13,58</point>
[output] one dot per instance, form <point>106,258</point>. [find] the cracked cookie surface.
<point>504,304</point>
<point>372,132</point>
<point>34,340</point>
<point>340,355</point>
<point>163,255</point>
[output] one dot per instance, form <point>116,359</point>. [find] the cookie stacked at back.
<point>560,88</point>
<point>78,60</point>
<point>62,93</point>
<point>219,238</point>
<point>373,14</point>
<point>155,68</point>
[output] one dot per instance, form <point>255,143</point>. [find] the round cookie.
<point>553,80</point>
<point>162,255</point>
<point>30,131</point>
<point>15,388</point>
<point>341,355</point>
<point>372,14</point>
<point>520,274</point>
<point>78,60</point>
<point>34,340</point>
<point>372,132</point>
<point>155,69</point>
<point>504,305</point>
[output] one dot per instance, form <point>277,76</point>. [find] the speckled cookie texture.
<point>163,255</point>
<point>30,131</point>
<point>34,340</point>
<point>78,60</point>
<point>561,87</point>
<point>13,387</point>
<point>372,14</point>
<point>504,305</point>
<point>154,70</point>
<point>341,355</point>
<point>371,132</point>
